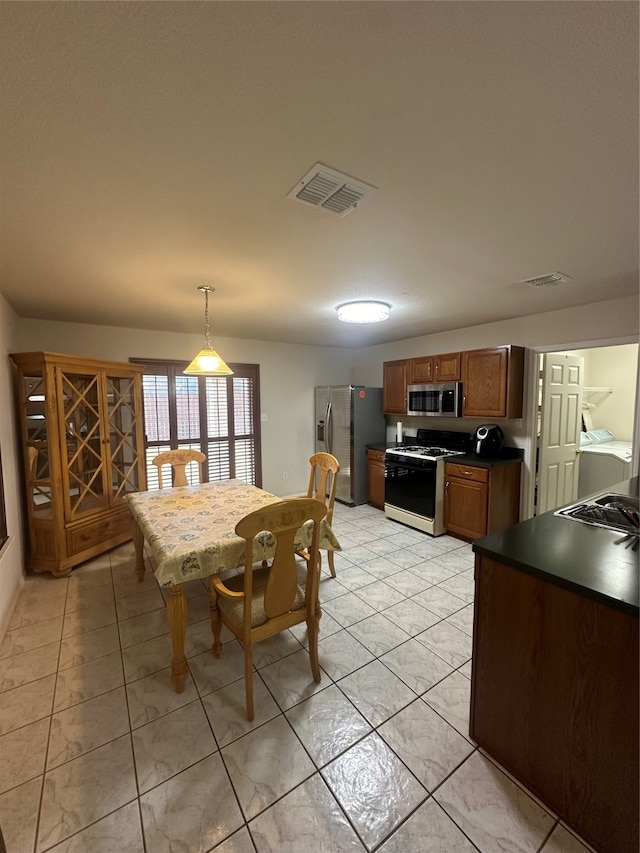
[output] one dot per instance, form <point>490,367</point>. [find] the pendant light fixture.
<point>208,362</point>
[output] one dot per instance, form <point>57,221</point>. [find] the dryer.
<point>604,461</point>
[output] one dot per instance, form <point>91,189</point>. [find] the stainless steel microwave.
<point>443,399</point>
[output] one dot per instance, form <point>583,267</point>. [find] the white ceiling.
<point>148,148</point>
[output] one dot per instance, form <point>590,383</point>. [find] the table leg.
<point>138,544</point>
<point>177,616</point>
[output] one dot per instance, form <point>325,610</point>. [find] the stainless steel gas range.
<point>414,478</point>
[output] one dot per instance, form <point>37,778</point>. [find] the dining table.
<point>190,533</point>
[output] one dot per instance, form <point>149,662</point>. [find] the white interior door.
<point>560,425</point>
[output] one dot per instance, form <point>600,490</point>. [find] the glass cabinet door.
<point>122,425</point>
<point>82,442</point>
<point>37,445</point>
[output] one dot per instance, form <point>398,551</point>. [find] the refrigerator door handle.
<point>329,429</point>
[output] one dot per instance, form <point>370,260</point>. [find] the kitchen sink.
<point>610,510</point>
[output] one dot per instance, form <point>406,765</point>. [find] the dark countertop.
<point>508,456</point>
<point>485,461</point>
<point>591,561</point>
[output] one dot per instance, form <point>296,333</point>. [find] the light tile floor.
<point>99,754</point>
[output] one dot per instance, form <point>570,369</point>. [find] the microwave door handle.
<point>329,421</point>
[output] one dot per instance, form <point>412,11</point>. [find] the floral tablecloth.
<point>190,529</point>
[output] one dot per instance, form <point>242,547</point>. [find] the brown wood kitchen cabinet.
<point>375,479</point>
<point>394,386</point>
<point>554,698</point>
<point>447,367</point>
<point>83,450</point>
<point>492,382</point>
<point>435,368</point>
<point>421,369</point>
<point>479,500</point>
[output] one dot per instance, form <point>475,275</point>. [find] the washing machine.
<point>603,463</point>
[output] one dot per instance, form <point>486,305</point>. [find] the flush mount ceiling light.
<point>208,362</point>
<point>363,312</point>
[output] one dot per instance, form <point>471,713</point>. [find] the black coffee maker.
<point>488,440</point>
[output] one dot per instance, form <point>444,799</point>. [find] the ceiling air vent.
<point>330,190</point>
<point>549,280</point>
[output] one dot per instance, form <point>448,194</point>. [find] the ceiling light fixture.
<point>208,362</point>
<point>363,312</point>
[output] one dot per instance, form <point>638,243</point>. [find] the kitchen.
<point>473,198</point>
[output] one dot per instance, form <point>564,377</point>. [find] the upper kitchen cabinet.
<point>492,382</point>
<point>447,367</point>
<point>394,384</point>
<point>434,368</point>
<point>421,369</point>
<point>83,451</point>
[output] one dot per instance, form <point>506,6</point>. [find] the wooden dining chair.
<point>257,604</point>
<point>322,486</point>
<point>179,459</point>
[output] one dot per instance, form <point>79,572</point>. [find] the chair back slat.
<point>323,480</point>
<point>282,585</point>
<point>179,459</point>
<point>282,520</point>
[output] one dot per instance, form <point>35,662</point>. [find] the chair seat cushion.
<point>233,608</point>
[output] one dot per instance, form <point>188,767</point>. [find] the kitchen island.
<point>554,692</point>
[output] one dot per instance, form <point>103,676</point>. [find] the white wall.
<point>615,368</point>
<point>288,375</point>
<point>12,554</point>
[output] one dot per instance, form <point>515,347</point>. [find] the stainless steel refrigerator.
<point>348,418</point>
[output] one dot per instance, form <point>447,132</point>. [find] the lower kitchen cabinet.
<point>375,481</point>
<point>554,698</point>
<point>479,500</point>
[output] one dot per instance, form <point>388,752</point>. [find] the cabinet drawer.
<point>375,456</point>
<point>467,472</point>
<point>99,532</point>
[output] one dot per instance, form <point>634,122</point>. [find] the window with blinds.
<point>218,415</point>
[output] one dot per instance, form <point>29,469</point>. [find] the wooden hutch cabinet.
<point>83,447</point>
